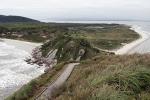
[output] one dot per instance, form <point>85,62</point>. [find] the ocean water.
<point>14,71</point>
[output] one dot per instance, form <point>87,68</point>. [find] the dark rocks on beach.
<point>37,58</point>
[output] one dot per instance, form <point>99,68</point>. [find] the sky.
<point>78,9</point>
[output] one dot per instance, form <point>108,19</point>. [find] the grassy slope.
<point>110,78</point>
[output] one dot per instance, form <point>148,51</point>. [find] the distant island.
<point>12,19</point>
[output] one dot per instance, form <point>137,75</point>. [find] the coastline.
<point>128,47</point>
<point>23,45</point>
<point>15,72</point>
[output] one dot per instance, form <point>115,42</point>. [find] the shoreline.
<point>14,70</point>
<point>23,45</point>
<point>128,47</point>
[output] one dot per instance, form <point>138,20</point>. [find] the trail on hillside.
<point>47,94</point>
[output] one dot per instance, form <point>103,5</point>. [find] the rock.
<point>81,52</point>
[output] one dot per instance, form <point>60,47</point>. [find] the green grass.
<point>110,78</point>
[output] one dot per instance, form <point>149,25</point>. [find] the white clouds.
<point>77,8</point>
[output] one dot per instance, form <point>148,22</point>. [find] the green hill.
<point>12,19</point>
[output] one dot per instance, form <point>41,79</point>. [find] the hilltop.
<point>12,19</point>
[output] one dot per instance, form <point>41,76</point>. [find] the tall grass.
<point>110,78</point>
<point>133,82</point>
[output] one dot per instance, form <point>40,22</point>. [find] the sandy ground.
<point>128,48</point>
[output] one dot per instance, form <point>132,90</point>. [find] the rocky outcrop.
<point>49,61</point>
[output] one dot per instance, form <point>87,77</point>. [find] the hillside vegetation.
<point>109,78</point>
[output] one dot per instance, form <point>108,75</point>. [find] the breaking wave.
<point>14,71</point>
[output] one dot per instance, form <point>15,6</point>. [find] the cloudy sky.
<point>77,9</point>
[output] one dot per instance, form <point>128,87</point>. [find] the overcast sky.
<point>77,9</point>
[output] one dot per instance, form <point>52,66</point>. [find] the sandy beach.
<point>15,72</point>
<point>127,49</point>
<point>23,45</point>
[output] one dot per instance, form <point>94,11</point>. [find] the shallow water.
<point>14,71</point>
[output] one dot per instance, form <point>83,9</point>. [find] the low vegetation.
<point>110,78</point>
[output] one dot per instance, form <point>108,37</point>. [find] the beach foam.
<point>14,71</point>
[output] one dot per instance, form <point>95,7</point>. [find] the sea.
<point>14,71</point>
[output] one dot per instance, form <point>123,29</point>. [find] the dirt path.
<point>47,94</point>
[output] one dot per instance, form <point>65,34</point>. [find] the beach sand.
<point>127,49</point>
